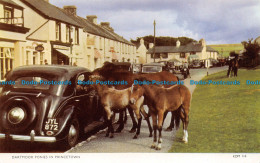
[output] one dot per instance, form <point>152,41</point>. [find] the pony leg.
<point>125,116</point>
<point>109,122</point>
<point>146,117</point>
<point>154,117</point>
<point>185,119</point>
<point>121,121</point>
<point>133,129</point>
<point>160,123</point>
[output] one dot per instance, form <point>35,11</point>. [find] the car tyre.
<point>73,134</point>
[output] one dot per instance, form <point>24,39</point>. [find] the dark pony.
<point>160,100</point>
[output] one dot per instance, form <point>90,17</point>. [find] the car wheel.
<point>73,134</point>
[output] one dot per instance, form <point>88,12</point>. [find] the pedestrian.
<point>235,68</point>
<point>45,62</point>
<point>229,67</point>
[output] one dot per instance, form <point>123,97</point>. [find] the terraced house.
<point>181,52</point>
<point>37,32</point>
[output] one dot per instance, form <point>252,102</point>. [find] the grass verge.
<point>224,118</point>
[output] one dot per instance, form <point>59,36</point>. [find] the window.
<point>58,33</point>
<point>182,55</point>
<point>157,55</point>
<point>192,53</point>
<point>6,61</point>
<point>27,57</point>
<point>8,15</point>
<point>76,36</point>
<point>68,34</point>
<point>35,58</point>
<point>164,55</point>
<point>100,44</point>
<point>41,58</point>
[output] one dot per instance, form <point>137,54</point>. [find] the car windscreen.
<point>32,82</point>
<point>152,69</point>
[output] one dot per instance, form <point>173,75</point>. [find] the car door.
<point>88,100</point>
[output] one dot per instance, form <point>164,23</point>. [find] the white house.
<point>181,52</point>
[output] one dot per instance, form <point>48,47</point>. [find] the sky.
<point>217,21</point>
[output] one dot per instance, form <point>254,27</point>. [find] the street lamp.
<point>154,23</point>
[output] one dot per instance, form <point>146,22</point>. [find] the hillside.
<point>225,49</point>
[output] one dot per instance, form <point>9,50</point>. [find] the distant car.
<point>46,105</point>
<point>152,67</point>
<point>195,64</point>
<point>214,62</point>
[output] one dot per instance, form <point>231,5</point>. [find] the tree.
<point>251,51</point>
<point>163,40</point>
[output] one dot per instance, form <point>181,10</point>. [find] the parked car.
<point>152,67</point>
<point>195,64</point>
<point>46,105</point>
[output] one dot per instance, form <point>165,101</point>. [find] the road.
<point>124,143</point>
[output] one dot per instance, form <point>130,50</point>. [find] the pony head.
<point>136,92</point>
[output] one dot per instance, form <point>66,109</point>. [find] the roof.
<point>191,47</point>
<point>50,11</point>
<point>47,70</point>
<point>153,64</point>
<point>97,29</point>
<point>12,3</point>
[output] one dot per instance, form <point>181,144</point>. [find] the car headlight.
<point>16,115</point>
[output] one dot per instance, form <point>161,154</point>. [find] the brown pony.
<point>112,99</point>
<point>112,73</point>
<point>160,100</point>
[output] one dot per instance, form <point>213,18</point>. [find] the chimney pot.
<point>72,10</point>
<point>92,18</point>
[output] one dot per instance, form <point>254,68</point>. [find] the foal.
<point>113,99</point>
<point>160,100</point>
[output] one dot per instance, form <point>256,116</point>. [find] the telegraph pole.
<point>154,23</point>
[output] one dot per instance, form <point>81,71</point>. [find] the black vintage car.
<point>46,104</point>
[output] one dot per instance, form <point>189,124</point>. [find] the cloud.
<point>218,21</point>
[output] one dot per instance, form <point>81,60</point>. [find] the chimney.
<point>178,43</point>
<point>72,10</point>
<point>151,45</point>
<point>142,41</point>
<point>203,42</point>
<point>107,26</point>
<point>92,18</point>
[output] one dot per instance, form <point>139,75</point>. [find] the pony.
<point>160,100</point>
<point>111,72</point>
<point>113,100</point>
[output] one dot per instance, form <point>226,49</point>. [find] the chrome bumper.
<point>31,138</point>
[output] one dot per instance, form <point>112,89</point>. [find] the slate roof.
<point>50,11</point>
<point>97,29</point>
<point>191,47</point>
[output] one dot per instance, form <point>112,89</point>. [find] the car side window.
<point>70,87</point>
<point>81,86</point>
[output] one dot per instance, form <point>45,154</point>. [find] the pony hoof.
<point>106,135</point>
<point>185,141</point>
<point>153,146</point>
<point>150,135</point>
<point>112,136</point>
<point>132,130</point>
<point>135,137</point>
<point>118,130</point>
<point>158,148</point>
<point>169,129</point>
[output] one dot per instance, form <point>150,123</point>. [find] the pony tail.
<point>177,117</point>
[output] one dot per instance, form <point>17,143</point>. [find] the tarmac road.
<point>124,143</point>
